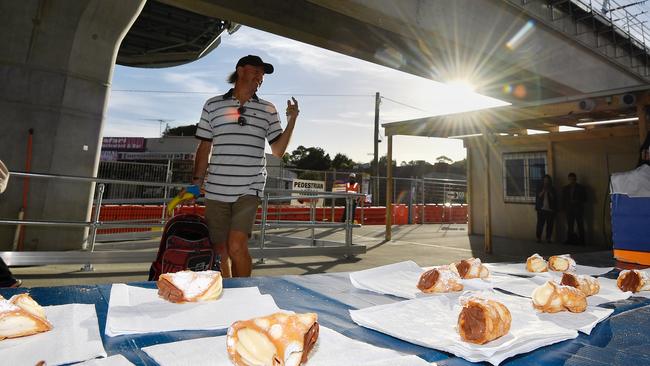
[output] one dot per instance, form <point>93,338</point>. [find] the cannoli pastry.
<point>470,268</point>
<point>481,320</point>
<point>279,339</point>
<point>587,284</point>
<point>552,298</point>
<point>25,302</point>
<point>19,319</point>
<point>535,263</point>
<point>633,280</point>
<point>189,286</point>
<point>562,263</point>
<point>441,279</point>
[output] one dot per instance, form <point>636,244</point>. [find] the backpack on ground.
<point>185,244</point>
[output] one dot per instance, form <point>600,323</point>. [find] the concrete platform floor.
<point>427,245</point>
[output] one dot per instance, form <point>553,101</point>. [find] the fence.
<point>426,200</point>
<point>266,242</point>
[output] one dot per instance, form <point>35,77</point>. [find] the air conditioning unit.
<point>587,105</point>
<point>628,99</point>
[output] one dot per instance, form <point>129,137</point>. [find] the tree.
<point>443,159</point>
<point>342,162</point>
<point>383,165</point>
<point>189,130</point>
<point>415,168</point>
<point>312,158</point>
<point>459,167</point>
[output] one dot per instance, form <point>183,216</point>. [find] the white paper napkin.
<point>608,290</point>
<point>117,360</point>
<point>583,322</point>
<point>332,349</point>
<point>431,322</point>
<point>136,310</point>
<point>519,269</point>
<point>401,279</point>
<point>74,337</point>
<point>592,271</point>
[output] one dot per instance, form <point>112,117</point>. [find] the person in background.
<point>574,197</point>
<point>6,278</point>
<point>351,187</point>
<point>545,205</point>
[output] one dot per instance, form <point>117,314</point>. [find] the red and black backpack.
<point>185,244</point>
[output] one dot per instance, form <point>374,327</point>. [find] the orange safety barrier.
<point>433,213</point>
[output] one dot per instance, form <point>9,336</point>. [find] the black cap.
<point>255,61</point>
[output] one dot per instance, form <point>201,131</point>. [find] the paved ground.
<point>425,244</point>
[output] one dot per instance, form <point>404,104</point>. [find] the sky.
<point>336,96</point>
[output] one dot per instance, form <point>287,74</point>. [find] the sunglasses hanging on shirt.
<point>241,120</point>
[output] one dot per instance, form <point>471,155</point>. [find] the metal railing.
<point>90,256</point>
<point>616,32</point>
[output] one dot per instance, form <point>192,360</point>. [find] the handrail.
<point>93,179</point>
<point>96,224</point>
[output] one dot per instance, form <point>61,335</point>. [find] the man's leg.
<point>345,207</point>
<point>242,264</point>
<point>570,220</point>
<point>218,216</point>
<point>581,228</point>
<point>540,225</point>
<point>224,259</point>
<point>550,221</point>
<point>244,212</point>
<point>6,278</point>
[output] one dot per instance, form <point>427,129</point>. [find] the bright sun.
<point>462,86</point>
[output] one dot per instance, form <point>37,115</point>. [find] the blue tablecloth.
<point>622,339</point>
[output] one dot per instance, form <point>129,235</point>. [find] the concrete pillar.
<point>56,65</point>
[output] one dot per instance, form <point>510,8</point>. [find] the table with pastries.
<point>623,338</point>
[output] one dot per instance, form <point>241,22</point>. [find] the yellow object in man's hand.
<point>190,193</point>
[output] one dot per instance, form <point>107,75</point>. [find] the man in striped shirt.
<point>233,129</point>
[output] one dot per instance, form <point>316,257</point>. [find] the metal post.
<point>444,200</point>
<point>348,224</point>
<point>410,202</point>
<point>265,208</point>
<point>312,220</point>
<point>376,143</point>
<point>95,223</point>
<point>168,179</point>
<point>423,204</point>
<point>333,199</point>
<point>363,206</point>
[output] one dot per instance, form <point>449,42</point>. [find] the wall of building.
<point>592,160</point>
<point>56,65</point>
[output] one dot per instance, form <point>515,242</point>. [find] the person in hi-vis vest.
<point>353,187</point>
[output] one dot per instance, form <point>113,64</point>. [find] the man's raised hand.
<point>292,109</point>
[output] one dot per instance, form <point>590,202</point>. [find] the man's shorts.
<point>222,217</point>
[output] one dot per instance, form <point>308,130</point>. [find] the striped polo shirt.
<point>237,164</point>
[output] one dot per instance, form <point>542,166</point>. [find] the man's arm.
<point>201,162</point>
<point>279,146</point>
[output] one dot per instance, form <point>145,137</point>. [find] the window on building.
<point>522,174</point>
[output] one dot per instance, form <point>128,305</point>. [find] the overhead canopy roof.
<point>165,35</point>
<point>517,119</point>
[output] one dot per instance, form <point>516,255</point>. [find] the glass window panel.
<point>515,177</point>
